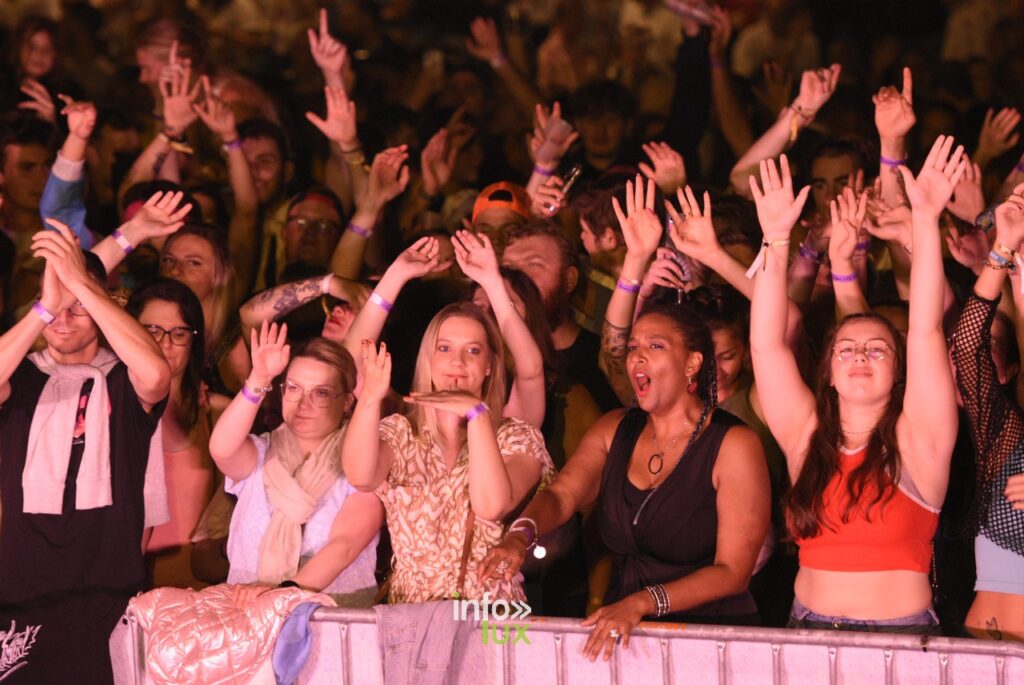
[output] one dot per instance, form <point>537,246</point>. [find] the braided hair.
<point>697,335</point>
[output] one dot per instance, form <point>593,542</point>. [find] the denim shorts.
<point>924,623</point>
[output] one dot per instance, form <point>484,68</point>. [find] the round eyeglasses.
<point>874,350</point>
<point>180,335</point>
<point>320,397</point>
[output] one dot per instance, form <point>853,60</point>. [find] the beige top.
<point>427,507</point>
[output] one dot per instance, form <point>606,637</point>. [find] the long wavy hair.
<point>697,336</point>
<point>805,505</point>
<point>223,276</point>
<point>179,294</point>
<point>493,391</point>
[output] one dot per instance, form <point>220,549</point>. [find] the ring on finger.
<point>614,633</point>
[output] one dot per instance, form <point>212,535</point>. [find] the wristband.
<point>253,397</point>
<point>230,145</point>
<point>662,604</point>
<point>541,171</point>
<point>809,253</point>
<point>43,313</point>
<point>325,285</point>
<point>843,278</point>
<point>862,247</point>
<point>357,148</point>
<point>999,259</point>
<point>997,266</point>
<point>359,230</point>
<point>892,162</point>
<point>122,241</point>
<point>476,411</point>
<point>631,287</point>
<point>381,302</point>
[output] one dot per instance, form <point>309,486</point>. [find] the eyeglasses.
<point>324,226</point>
<point>320,397</point>
<point>875,350</point>
<point>180,335</point>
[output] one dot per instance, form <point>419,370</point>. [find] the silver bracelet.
<point>662,604</point>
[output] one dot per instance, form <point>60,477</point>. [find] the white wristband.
<point>325,285</point>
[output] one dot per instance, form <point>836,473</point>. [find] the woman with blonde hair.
<point>452,471</point>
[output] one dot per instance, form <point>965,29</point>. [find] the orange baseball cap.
<point>503,195</point>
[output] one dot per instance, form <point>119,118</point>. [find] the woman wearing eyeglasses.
<point>298,520</point>
<point>869,454</point>
<point>174,317</point>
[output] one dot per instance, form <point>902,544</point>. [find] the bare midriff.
<point>864,595</point>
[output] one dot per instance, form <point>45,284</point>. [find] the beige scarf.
<point>51,433</point>
<point>294,483</point>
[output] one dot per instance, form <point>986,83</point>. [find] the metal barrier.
<point>346,651</point>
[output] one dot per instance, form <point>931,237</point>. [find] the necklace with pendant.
<point>658,458</point>
<point>693,438</point>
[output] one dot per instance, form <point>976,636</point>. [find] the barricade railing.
<point>346,651</point>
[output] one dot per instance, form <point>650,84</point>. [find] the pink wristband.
<point>476,411</point>
<point>250,395</point>
<point>43,313</point>
<point>359,230</point>
<point>381,302</point>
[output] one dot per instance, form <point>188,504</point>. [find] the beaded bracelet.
<point>43,313</point>
<point>998,266</point>
<point>844,278</point>
<point>381,302</point>
<point>629,286</point>
<point>476,411</point>
<point>892,162</point>
<point>122,241</point>
<point>359,230</point>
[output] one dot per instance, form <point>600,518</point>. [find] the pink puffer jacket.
<point>202,637</point>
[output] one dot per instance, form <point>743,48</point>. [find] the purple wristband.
<point>43,313</point>
<point>359,230</point>
<point>476,411</point>
<point>862,247</point>
<point>250,395</point>
<point>844,278</point>
<point>891,162</point>
<point>628,287</point>
<point>235,144</point>
<point>540,171</point>
<point>1020,166</point>
<point>381,302</point>
<point>122,241</point>
<point>809,253</point>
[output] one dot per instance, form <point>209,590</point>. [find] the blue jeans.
<point>924,623</point>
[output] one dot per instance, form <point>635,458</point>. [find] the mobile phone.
<point>699,12</point>
<point>568,181</point>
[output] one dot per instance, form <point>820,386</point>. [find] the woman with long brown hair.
<point>869,454</point>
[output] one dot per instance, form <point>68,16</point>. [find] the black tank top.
<point>676,531</point>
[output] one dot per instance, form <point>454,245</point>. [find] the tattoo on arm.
<point>613,347</point>
<point>293,295</point>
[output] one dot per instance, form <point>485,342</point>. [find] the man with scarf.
<point>76,421</point>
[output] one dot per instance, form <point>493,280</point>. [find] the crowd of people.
<point>411,301</point>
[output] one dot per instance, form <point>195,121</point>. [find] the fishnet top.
<point>997,426</point>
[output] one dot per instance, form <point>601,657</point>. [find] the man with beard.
<point>77,420</point>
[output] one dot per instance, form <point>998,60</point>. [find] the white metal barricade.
<point>346,652</point>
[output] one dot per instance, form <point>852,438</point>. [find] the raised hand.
<point>475,256</point>
<point>969,248</point>
<point>178,93</point>
<point>376,371</point>
<point>388,177</point>
<point>328,52</point>
<point>160,216</point>
<point>640,226</point>
<point>968,198</point>
<point>777,208</point>
<point>548,199</point>
<point>81,117</point>
<point>1010,220</point>
<point>421,258</point>
<point>541,116</point>
<point>891,224</point>
<point>669,170</point>
<point>721,33</point>
<point>485,43</point>
<point>998,134</point>
<point>59,247</point>
<point>847,212</point>
<point>665,271</point>
<point>436,162</point>
<point>894,109</point>
<point>270,351</point>
<point>776,86</point>
<point>340,124</point>
<point>41,102</point>
<point>54,297</point>
<point>693,233</point>
<point>816,87</point>
<point>931,190</point>
<point>217,116</point>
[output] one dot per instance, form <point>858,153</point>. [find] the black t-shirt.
<point>45,557</point>
<point>579,364</point>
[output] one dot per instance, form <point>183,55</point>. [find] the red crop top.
<point>898,535</point>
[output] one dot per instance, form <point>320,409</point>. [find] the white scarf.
<point>51,433</point>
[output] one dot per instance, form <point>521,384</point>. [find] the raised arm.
<point>547,154</point>
<point>927,427</point>
<point>816,87</point>
<point>242,232</point>
<point>847,213</point>
<point>230,446</point>
<point>791,422</point>
<point>148,371</point>
<point>731,119</point>
<point>62,197</point>
<point>345,174</point>
<point>275,303</point>
<point>485,44</point>
<point>331,55</point>
<point>365,458</point>
<point>998,135</point>
<point>894,117</point>
<point>476,258</point>
<point>160,216</point>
